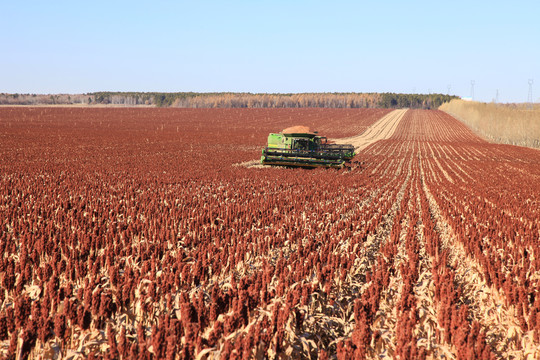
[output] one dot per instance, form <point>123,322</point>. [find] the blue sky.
<point>271,46</point>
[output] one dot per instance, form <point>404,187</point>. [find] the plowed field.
<point>133,233</point>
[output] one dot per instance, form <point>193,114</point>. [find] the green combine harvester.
<point>305,149</point>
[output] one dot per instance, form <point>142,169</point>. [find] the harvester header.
<point>298,146</point>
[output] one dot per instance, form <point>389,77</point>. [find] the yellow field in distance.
<point>516,124</point>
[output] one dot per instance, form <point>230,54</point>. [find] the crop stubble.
<point>128,233</point>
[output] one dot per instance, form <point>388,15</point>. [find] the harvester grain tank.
<point>297,146</point>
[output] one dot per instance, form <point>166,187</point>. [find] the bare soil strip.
<point>382,129</point>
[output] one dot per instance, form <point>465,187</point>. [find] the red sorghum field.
<point>135,233</point>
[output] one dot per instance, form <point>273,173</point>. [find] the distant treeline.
<point>42,99</point>
<point>235,100</point>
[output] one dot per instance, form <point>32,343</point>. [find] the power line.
<point>530,97</point>
<point>472,90</point>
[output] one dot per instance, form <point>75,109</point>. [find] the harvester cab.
<point>299,147</point>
